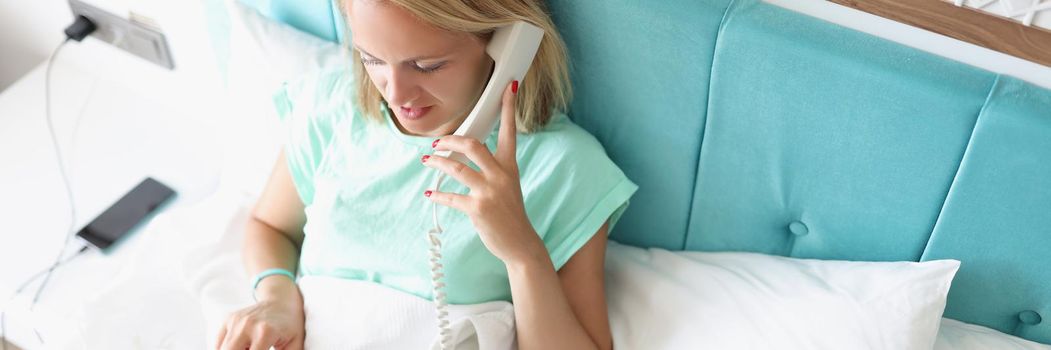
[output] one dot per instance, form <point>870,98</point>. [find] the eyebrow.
<point>417,58</point>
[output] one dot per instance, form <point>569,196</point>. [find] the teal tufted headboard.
<point>783,134</point>
<point>749,127</point>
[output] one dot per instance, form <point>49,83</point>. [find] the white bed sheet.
<point>149,305</point>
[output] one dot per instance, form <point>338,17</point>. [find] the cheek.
<point>452,88</point>
<point>470,82</point>
<point>379,79</point>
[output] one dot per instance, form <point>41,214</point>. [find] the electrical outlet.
<point>135,37</point>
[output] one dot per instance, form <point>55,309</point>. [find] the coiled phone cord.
<point>444,332</point>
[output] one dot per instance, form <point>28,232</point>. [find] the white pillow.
<point>956,335</point>
<point>269,52</point>
<point>263,54</point>
<point>701,300</point>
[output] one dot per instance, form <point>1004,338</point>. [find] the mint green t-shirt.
<point>362,184</point>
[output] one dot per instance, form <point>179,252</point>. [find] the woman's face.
<point>430,77</point>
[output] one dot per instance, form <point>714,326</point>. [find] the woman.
<point>348,196</point>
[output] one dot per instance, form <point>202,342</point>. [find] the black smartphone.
<point>127,213</point>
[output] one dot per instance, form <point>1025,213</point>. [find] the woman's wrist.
<point>276,287</point>
<point>531,255</point>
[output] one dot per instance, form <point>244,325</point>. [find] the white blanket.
<point>340,313</point>
<point>349,314</point>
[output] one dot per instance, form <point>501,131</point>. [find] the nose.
<point>402,88</point>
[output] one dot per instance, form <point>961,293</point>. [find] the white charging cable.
<point>444,332</point>
<point>72,209</point>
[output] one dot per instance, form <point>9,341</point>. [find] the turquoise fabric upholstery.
<point>825,127</point>
<point>997,217</point>
<point>749,127</point>
<point>318,17</point>
<point>640,73</point>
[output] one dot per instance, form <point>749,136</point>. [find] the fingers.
<point>473,149</point>
<point>504,159</point>
<point>234,338</point>
<point>295,344</point>
<point>236,341</point>
<point>507,140</point>
<point>239,333</point>
<point>460,171</point>
<point>263,339</point>
<point>459,202</point>
<point>477,152</point>
<point>222,336</point>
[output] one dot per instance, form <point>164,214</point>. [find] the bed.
<point>780,136</point>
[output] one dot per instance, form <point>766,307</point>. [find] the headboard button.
<point>798,228</point>
<point>1029,317</point>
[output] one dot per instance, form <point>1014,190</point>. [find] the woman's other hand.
<point>275,320</point>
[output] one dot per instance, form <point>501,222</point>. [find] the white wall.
<point>29,30</point>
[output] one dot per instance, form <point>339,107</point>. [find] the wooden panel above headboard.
<point>966,24</point>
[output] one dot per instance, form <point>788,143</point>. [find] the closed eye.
<point>369,61</point>
<point>428,69</point>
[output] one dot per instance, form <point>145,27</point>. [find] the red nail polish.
<point>435,143</point>
<point>424,159</point>
<point>427,193</point>
<point>514,87</point>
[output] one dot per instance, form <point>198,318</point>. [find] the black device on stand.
<point>127,213</point>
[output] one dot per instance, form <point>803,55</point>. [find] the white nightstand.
<point>146,121</point>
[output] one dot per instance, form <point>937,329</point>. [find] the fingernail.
<point>424,159</point>
<point>514,87</point>
<point>435,143</point>
<point>427,193</point>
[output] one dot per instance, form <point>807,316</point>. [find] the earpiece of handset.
<point>512,49</point>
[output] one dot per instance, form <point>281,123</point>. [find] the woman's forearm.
<point>543,316</point>
<point>265,248</point>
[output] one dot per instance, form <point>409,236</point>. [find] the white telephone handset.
<point>512,49</point>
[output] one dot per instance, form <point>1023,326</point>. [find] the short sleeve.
<point>307,116</point>
<point>571,187</point>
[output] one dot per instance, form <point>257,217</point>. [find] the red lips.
<point>414,113</point>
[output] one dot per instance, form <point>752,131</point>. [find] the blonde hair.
<point>546,87</point>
